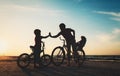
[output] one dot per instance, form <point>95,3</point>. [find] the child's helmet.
<point>37,31</point>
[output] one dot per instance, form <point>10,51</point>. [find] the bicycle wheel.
<point>80,57</point>
<point>45,60</point>
<point>23,60</point>
<point>58,56</point>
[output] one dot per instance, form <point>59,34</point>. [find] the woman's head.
<point>62,26</point>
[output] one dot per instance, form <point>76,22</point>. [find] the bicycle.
<point>25,59</point>
<point>59,55</point>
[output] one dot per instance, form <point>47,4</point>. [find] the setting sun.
<point>3,47</point>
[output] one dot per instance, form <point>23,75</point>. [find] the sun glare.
<point>3,47</point>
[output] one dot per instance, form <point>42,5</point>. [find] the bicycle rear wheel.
<point>80,57</point>
<point>45,60</point>
<point>58,56</point>
<point>23,60</point>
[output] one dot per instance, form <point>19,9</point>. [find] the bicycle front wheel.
<point>58,56</point>
<point>45,60</point>
<point>80,57</point>
<point>23,60</point>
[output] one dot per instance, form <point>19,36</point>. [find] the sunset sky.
<point>98,20</point>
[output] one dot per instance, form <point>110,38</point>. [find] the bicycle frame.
<point>42,49</point>
<point>65,46</point>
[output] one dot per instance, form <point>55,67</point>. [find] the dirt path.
<point>90,68</point>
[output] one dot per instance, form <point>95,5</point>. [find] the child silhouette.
<point>80,44</point>
<point>37,47</point>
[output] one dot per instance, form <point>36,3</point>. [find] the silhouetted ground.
<point>89,68</point>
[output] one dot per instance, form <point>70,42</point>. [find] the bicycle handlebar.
<point>43,44</point>
<point>62,40</point>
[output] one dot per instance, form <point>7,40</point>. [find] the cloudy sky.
<point>98,20</point>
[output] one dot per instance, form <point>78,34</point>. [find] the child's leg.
<point>35,61</point>
<point>35,58</point>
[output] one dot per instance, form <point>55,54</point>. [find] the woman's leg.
<point>68,53</point>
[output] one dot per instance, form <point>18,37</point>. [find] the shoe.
<point>68,64</point>
<point>36,67</point>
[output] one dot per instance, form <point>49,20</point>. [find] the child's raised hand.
<point>50,34</point>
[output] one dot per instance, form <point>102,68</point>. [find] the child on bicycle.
<point>37,47</point>
<point>80,44</point>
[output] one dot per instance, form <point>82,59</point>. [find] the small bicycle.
<point>59,55</point>
<point>25,59</point>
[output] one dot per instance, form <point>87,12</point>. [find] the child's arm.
<point>45,36</point>
<point>55,36</point>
